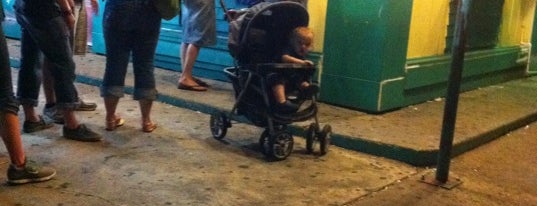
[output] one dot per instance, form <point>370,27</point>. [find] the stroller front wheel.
<point>219,124</point>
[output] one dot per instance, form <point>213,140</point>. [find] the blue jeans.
<point>8,103</point>
<point>44,30</point>
<point>130,26</point>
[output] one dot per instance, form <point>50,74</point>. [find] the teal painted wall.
<point>211,60</point>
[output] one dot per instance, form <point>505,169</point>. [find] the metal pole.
<point>452,98</point>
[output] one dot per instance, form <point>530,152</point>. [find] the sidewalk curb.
<point>403,154</point>
<point>408,155</point>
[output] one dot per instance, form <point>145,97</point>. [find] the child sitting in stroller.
<point>300,43</point>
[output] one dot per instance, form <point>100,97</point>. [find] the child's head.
<point>302,40</point>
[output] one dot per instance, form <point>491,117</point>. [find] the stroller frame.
<point>276,142</point>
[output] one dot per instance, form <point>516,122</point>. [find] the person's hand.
<point>66,7</point>
<point>69,20</point>
<point>308,63</point>
<point>95,7</point>
<point>71,3</point>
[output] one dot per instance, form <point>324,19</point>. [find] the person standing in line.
<point>79,44</point>
<point>21,170</point>
<point>45,27</point>
<point>130,27</point>
<point>199,30</point>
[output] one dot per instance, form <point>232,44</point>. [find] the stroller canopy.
<point>255,36</point>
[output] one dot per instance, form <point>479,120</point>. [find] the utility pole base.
<point>430,178</point>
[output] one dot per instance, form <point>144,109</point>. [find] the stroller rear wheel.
<point>219,123</point>
<point>278,146</point>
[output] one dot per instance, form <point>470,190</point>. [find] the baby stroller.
<point>255,35</point>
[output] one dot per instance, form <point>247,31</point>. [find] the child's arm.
<point>290,59</point>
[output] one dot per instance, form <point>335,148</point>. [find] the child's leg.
<point>278,91</point>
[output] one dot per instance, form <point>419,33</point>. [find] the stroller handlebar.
<point>284,66</point>
<point>265,68</point>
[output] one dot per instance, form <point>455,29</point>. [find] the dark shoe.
<point>30,173</point>
<point>82,133</point>
<point>311,90</point>
<point>286,108</point>
<point>29,127</point>
<point>86,106</point>
<point>53,114</point>
<point>201,82</point>
<point>196,88</point>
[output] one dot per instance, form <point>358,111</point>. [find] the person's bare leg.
<point>10,132</point>
<point>183,53</point>
<point>70,119</point>
<point>30,114</point>
<point>145,109</point>
<point>190,55</point>
<point>110,104</point>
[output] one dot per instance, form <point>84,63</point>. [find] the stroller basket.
<point>250,103</point>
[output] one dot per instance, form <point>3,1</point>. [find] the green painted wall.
<point>533,60</point>
<point>365,53</point>
<point>365,65</point>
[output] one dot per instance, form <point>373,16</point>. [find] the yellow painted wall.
<point>317,12</point>
<point>517,22</point>
<point>428,28</point>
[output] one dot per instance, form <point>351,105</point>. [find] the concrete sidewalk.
<point>410,134</point>
<point>181,164</point>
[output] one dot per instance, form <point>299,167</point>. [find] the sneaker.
<point>82,133</point>
<point>29,127</point>
<point>286,107</point>
<point>53,114</point>
<point>86,106</point>
<point>30,173</point>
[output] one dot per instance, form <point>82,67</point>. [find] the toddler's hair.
<point>303,34</point>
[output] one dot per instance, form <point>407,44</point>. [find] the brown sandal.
<point>112,125</point>
<point>149,127</point>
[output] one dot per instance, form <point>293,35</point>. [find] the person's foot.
<point>311,90</point>
<point>196,88</point>
<point>86,106</point>
<point>53,114</point>
<point>286,107</point>
<point>201,82</point>
<point>30,173</point>
<point>29,127</point>
<point>82,133</point>
<point>111,125</point>
<point>149,127</point>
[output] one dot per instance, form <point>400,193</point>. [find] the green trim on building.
<point>426,78</point>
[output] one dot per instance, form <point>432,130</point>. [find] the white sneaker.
<point>53,114</point>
